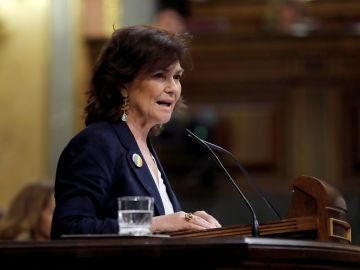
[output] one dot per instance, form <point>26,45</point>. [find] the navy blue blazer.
<point>96,168</point>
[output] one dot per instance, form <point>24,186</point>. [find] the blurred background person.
<point>289,17</point>
<point>30,213</point>
<point>171,15</point>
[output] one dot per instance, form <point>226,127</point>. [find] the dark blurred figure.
<point>30,214</point>
<point>289,17</point>
<point>2,213</point>
<point>171,15</point>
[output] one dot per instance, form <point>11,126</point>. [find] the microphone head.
<point>189,132</point>
<point>192,135</point>
<point>195,138</point>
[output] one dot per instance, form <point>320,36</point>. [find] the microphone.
<point>255,223</point>
<point>248,178</point>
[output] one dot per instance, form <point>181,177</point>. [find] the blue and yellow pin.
<point>137,160</point>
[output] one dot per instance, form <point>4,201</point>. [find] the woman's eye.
<point>177,77</point>
<point>159,75</point>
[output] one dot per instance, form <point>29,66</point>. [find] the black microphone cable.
<point>255,224</point>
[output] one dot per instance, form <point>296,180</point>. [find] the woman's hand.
<point>199,220</point>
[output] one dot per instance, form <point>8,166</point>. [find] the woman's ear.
<point>123,92</point>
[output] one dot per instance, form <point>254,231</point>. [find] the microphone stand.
<point>248,178</point>
<point>255,223</point>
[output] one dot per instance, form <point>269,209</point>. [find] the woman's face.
<point>152,97</point>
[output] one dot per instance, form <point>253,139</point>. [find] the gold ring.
<point>188,217</point>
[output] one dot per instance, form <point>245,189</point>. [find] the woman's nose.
<point>171,85</point>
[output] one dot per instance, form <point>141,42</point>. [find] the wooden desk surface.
<point>188,253</point>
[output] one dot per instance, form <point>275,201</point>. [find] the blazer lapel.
<point>142,172</point>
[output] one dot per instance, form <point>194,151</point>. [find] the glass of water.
<point>135,214</point>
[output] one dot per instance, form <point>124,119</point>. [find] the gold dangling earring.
<point>124,108</point>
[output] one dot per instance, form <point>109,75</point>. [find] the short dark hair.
<point>129,52</point>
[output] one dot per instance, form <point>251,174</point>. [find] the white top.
<point>162,190</point>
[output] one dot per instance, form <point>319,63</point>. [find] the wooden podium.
<point>314,235</point>
<point>317,211</point>
<point>114,252</point>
